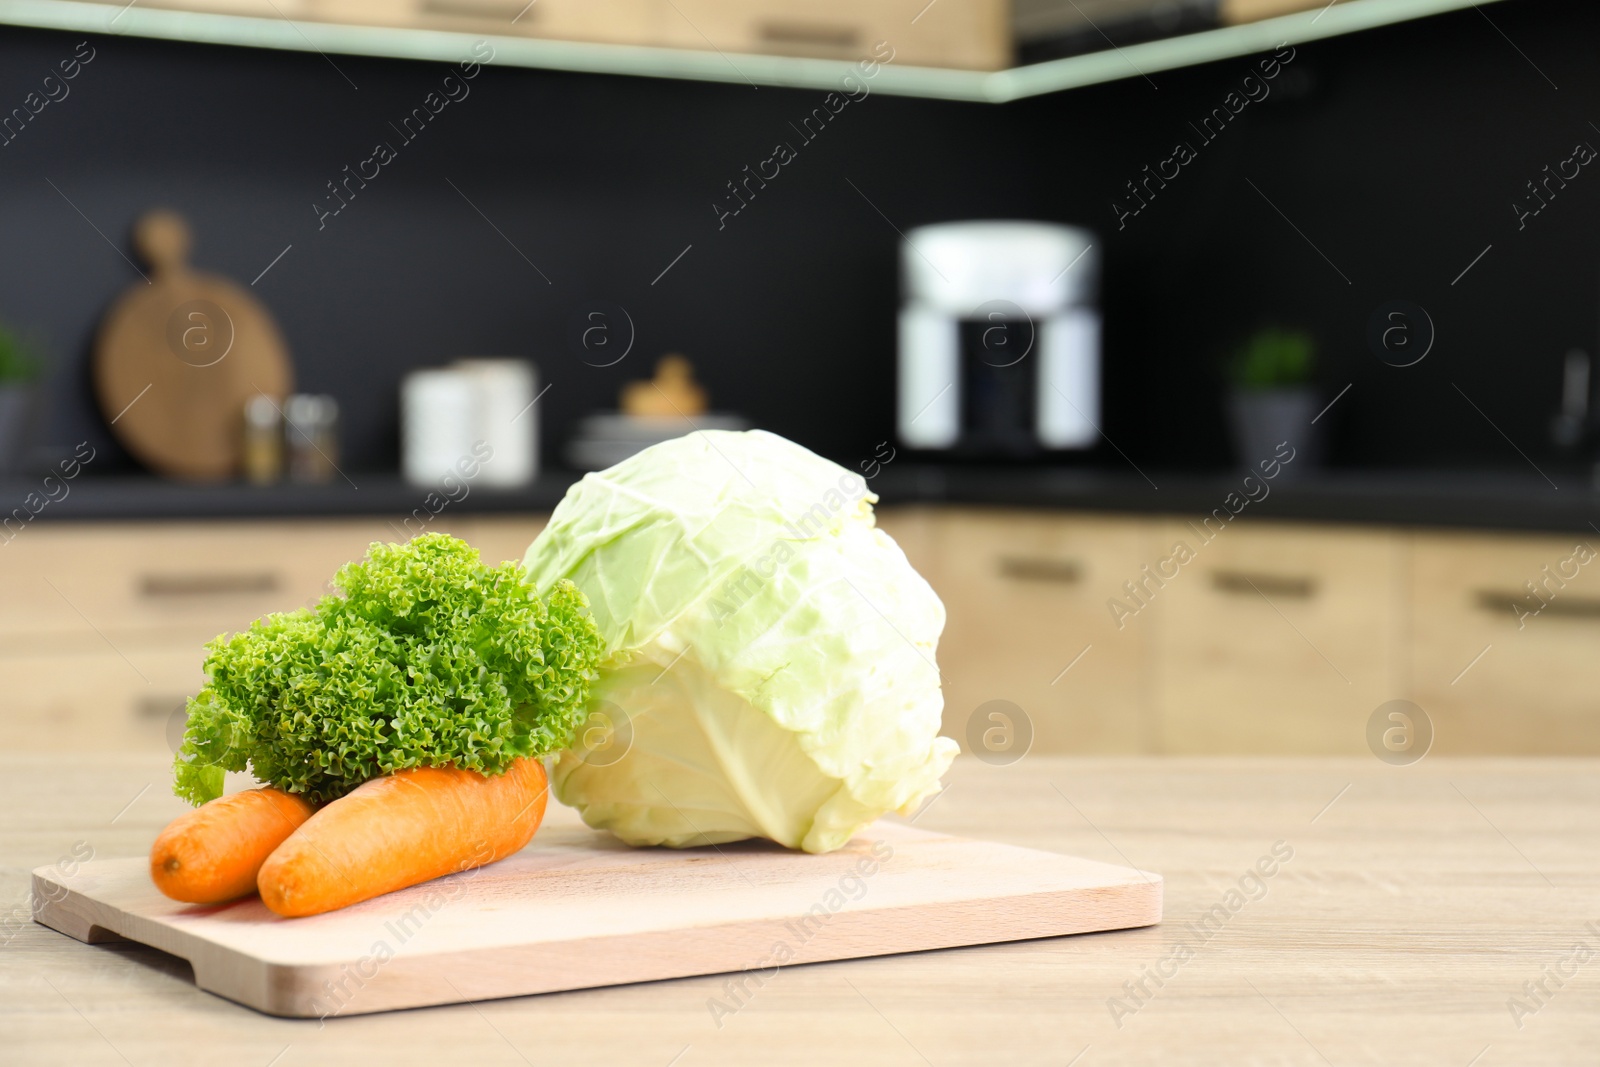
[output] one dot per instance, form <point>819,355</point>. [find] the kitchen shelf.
<point>996,87</point>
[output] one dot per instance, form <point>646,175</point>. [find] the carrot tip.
<point>212,854</point>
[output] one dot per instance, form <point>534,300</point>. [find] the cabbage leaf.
<point>770,654</point>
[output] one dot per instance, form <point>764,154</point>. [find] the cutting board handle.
<point>163,240</point>
<point>61,909</point>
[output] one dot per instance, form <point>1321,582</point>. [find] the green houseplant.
<point>19,370</point>
<point>1272,397</point>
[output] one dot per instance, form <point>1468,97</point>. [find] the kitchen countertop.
<point>1510,500</point>
<point>1416,904</point>
<point>143,496</point>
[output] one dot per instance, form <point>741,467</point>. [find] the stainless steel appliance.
<point>999,338</point>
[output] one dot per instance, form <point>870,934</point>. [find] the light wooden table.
<point>1417,903</point>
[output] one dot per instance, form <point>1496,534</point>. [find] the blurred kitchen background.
<point>1364,229</point>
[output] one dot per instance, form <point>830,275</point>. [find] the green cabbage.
<point>770,653</point>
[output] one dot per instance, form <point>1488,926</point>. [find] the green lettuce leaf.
<point>429,658</point>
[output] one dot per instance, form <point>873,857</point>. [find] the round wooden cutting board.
<point>176,360</point>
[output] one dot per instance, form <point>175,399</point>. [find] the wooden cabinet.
<point>1276,638</point>
<point>1025,597</point>
<point>1265,637</point>
<point>154,583</point>
<point>974,34</point>
<point>969,34</point>
<point>102,625</point>
<point>501,538</point>
<point>128,698</point>
<point>1268,638</point>
<point>1505,635</point>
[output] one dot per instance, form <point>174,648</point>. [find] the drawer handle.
<point>811,35</point>
<point>479,9</point>
<point>1298,587</point>
<point>1517,604</point>
<point>187,585</point>
<point>1041,569</point>
<point>160,707</point>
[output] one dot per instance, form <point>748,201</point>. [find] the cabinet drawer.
<point>974,34</point>
<point>284,9</point>
<point>499,538</point>
<point>168,581</point>
<point>1503,669</point>
<point>1025,596</point>
<point>1277,638</point>
<point>75,600</point>
<point>615,21</point>
<point>98,700</point>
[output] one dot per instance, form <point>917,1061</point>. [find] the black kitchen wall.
<point>1378,168</point>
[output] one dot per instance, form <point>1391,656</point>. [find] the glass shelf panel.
<point>1132,61</point>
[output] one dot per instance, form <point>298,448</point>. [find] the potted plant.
<point>19,368</point>
<point>1273,398</point>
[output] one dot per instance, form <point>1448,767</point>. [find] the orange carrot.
<point>212,854</point>
<point>401,829</point>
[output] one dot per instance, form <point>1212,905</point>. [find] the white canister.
<point>507,419</point>
<point>438,424</point>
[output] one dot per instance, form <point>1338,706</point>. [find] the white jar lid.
<point>957,267</point>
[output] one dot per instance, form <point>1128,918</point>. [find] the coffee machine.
<point>999,339</point>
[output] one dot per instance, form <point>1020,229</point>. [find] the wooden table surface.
<point>1411,916</point>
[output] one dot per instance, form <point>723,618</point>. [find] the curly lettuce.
<point>430,657</point>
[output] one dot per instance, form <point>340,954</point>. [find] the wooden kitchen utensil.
<point>578,909</point>
<point>177,358</point>
<point>671,394</point>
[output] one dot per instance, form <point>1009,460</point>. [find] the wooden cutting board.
<point>578,909</point>
<point>176,359</point>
